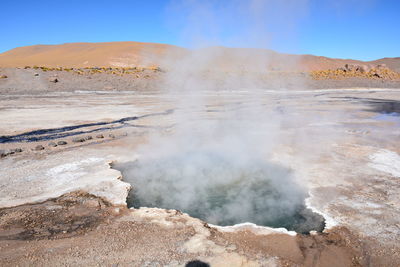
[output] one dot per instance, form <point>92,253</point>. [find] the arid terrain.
<point>67,125</point>
<point>137,54</point>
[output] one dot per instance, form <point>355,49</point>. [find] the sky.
<point>358,29</point>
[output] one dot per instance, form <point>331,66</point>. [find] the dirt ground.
<point>80,229</point>
<point>62,204</point>
<point>36,81</point>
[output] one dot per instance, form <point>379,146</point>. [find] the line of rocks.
<point>5,153</point>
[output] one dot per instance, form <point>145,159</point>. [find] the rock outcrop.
<point>380,71</point>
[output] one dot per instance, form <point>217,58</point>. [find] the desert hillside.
<point>78,55</point>
<point>130,54</point>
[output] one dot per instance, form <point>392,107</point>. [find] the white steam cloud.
<point>214,163</point>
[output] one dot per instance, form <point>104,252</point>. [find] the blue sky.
<point>359,29</point>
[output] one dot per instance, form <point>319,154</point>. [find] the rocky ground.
<point>62,203</point>
<point>41,80</point>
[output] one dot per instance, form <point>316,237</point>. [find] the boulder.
<point>349,67</point>
<point>355,68</point>
<point>78,140</point>
<point>363,68</point>
<point>39,147</point>
<point>52,144</point>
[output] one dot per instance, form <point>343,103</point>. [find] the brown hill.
<point>392,62</point>
<point>131,54</point>
<point>114,54</point>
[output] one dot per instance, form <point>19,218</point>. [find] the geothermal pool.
<point>221,190</point>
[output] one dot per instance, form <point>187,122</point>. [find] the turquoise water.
<point>221,191</point>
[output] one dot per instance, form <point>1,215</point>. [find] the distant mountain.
<point>130,54</point>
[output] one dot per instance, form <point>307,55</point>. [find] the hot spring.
<point>220,189</point>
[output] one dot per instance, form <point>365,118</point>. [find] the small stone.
<point>111,135</point>
<point>3,153</point>
<point>61,143</point>
<point>117,210</point>
<point>93,203</point>
<point>36,74</point>
<point>231,247</point>
<point>52,144</point>
<point>17,150</point>
<point>99,136</point>
<point>89,137</point>
<point>53,80</point>
<point>39,147</point>
<point>78,140</point>
<point>3,77</point>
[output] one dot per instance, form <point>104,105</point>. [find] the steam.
<point>215,162</point>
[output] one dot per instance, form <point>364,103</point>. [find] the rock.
<point>61,143</point>
<point>116,211</point>
<point>377,75</point>
<point>17,150</point>
<point>36,74</point>
<point>349,67</point>
<point>78,140</point>
<point>111,135</point>
<point>197,263</point>
<point>3,77</point>
<point>53,80</point>
<point>89,137</point>
<point>52,144</point>
<point>355,68</point>
<point>363,68</point>
<point>92,203</point>
<point>39,147</point>
<point>3,153</point>
<point>99,136</point>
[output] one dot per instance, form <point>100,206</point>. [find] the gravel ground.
<point>63,205</point>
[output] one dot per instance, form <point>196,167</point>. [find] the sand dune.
<point>129,54</point>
